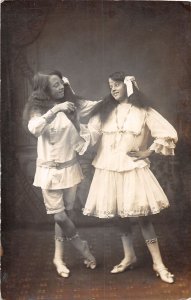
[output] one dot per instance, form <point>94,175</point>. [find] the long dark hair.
<point>40,101</point>
<point>105,107</point>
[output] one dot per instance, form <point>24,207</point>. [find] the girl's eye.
<point>56,85</point>
<point>113,86</point>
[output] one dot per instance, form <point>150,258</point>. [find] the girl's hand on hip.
<point>140,154</point>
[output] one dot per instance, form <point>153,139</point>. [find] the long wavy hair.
<point>105,107</point>
<point>40,101</point>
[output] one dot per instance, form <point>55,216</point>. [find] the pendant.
<point>118,136</point>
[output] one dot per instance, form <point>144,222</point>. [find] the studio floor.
<point>28,272</point>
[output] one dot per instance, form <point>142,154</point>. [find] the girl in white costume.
<point>52,116</point>
<point>123,184</point>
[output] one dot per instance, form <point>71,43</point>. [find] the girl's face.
<point>56,87</point>
<point>118,90</point>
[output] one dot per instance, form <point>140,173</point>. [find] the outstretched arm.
<point>86,107</point>
<point>91,133</point>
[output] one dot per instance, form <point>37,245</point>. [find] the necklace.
<point>120,129</point>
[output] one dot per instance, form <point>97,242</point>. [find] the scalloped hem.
<point>109,215</point>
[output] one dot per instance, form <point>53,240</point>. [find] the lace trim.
<point>60,239</point>
<point>65,238</point>
<point>168,142</point>
<point>151,241</point>
<point>124,213</point>
<point>72,237</point>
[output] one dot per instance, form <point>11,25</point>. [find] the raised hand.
<point>67,107</point>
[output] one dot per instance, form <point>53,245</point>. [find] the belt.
<point>57,165</point>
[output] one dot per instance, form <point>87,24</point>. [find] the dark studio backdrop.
<point>88,40</point>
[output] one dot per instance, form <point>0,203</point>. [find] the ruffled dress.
<point>122,186</point>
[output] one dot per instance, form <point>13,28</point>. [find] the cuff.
<point>163,146</point>
<point>49,116</point>
<point>84,133</point>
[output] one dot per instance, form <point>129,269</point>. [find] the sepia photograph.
<point>95,150</point>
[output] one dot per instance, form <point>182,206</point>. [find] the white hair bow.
<point>66,81</point>
<point>129,80</point>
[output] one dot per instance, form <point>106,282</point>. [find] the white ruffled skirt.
<point>126,194</point>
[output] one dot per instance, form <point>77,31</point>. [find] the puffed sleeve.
<point>164,134</point>
<point>86,106</point>
<point>38,122</point>
<point>91,133</point>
